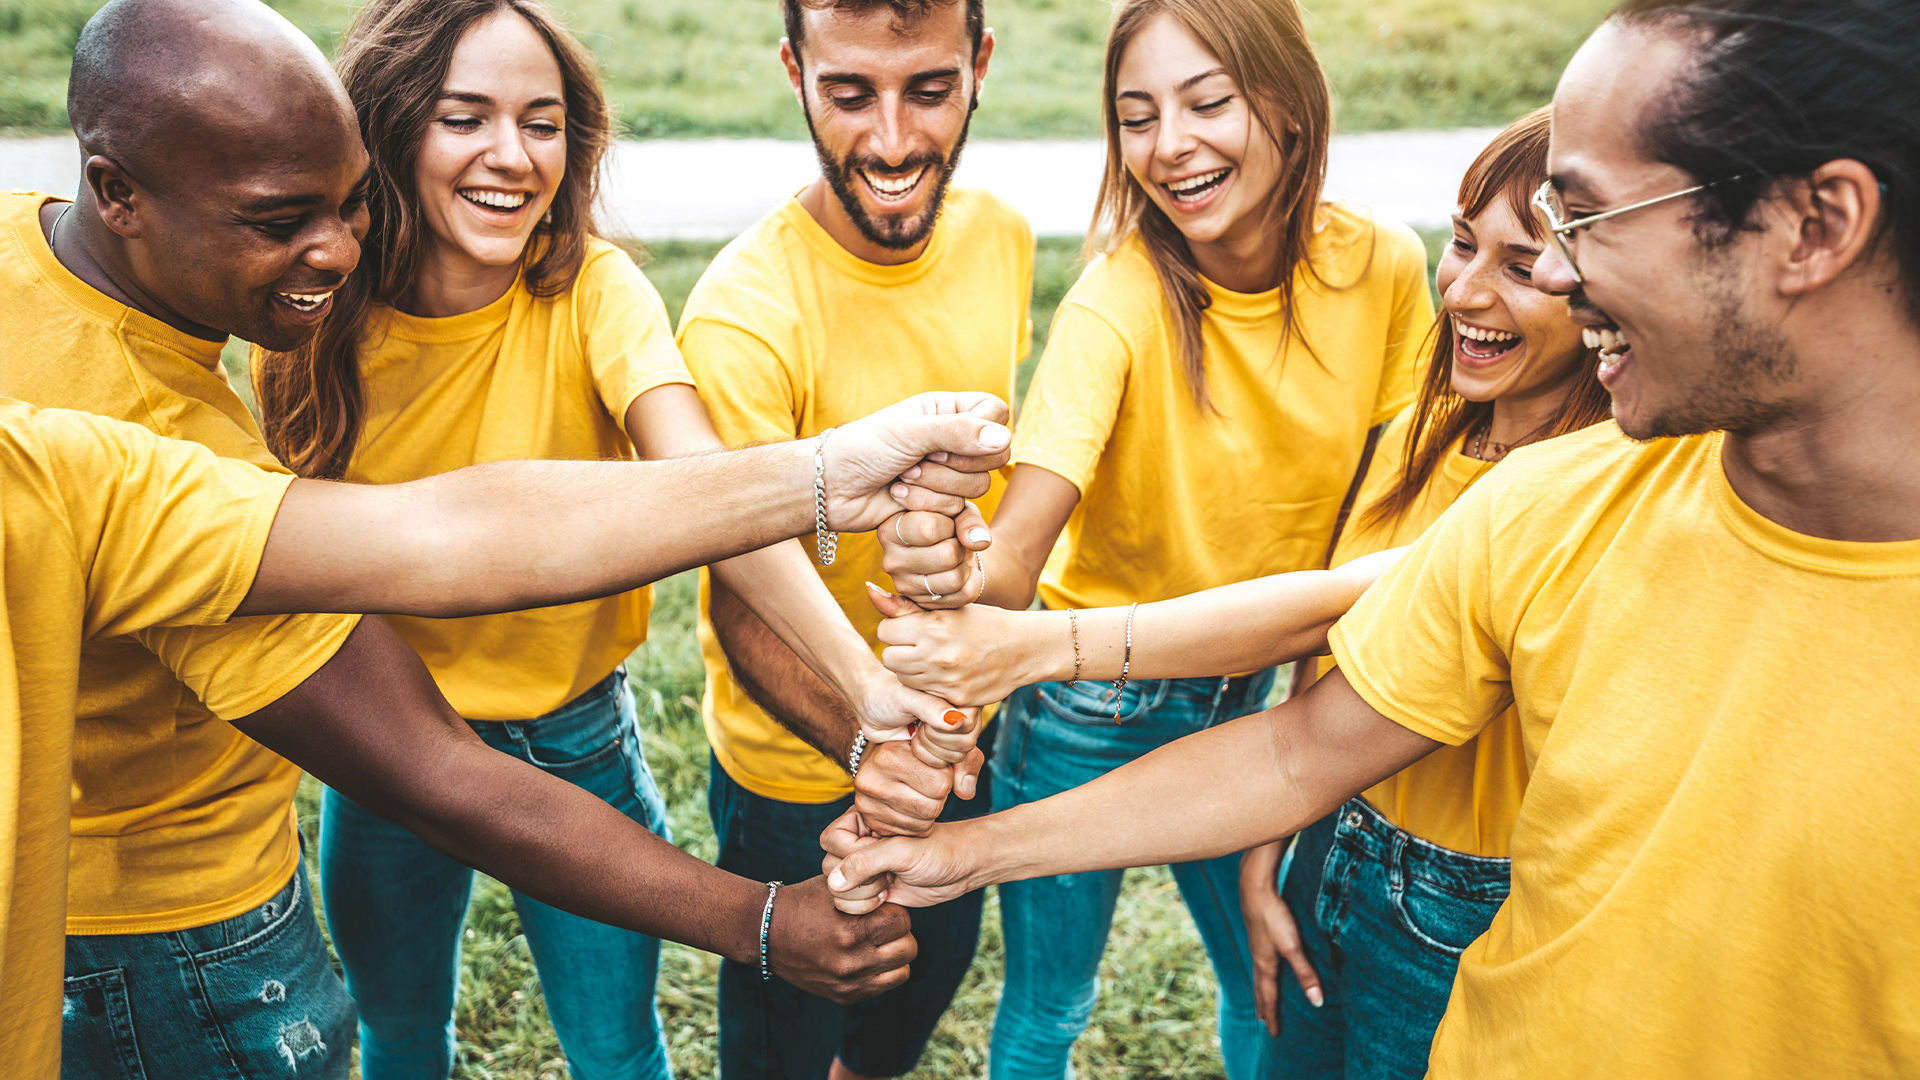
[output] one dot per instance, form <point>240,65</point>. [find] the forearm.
<point>778,681</point>
<point>512,535</point>
<point>1013,575</point>
<point>1245,626</point>
<point>1238,785</point>
<point>779,587</point>
<point>1260,867</point>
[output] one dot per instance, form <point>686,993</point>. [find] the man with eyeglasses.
<point>1709,874</point>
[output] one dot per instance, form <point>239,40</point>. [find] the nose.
<point>337,248</point>
<point>1552,274</point>
<point>1173,143</point>
<point>891,138</point>
<point>507,152</point>
<point>1470,290</point>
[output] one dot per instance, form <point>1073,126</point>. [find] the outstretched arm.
<point>979,653</point>
<point>1241,784</point>
<point>512,535</point>
<point>372,725</point>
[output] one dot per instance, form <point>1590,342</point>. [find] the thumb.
<point>971,445</point>
<point>966,775</point>
<point>890,605</point>
<point>863,867</point>
<point>970,526</point>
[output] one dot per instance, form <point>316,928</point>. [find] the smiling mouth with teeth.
<point>893,188</point>
<point>1608,339</point>
<point>495,200</point>
<point>1196,187</point>
<point>306,302</point>
<point>1482,344</point>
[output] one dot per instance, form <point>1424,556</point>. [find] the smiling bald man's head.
<point>223,161</point>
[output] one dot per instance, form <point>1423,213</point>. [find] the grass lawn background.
<point>709,67</point>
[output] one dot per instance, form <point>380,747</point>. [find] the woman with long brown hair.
<point>487,321</point>
<point>1201,412</point>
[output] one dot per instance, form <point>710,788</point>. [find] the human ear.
<point>1836,215</point>
<point>116,198</point>
<point>980,62</point>
<point>792,61</point>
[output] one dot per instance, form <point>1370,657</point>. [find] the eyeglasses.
<point>1553,215</point>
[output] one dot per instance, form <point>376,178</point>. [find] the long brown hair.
<point>1263,46</point>
<point>1511,167</point>
<point>394,63</point>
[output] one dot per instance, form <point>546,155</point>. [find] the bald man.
<point>221,196</point>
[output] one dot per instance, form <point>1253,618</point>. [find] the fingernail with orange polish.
<point>955,717</point>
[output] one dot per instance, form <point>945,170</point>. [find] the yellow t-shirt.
<point>523,378</point>
<point>1460,797</point>
<point>789,335</point>
<point>108,531</point>
<point>1174,498</point>
<point>178,819</point>
<point>1710,868</point>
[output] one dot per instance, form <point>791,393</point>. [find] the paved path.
<point>711,189</point>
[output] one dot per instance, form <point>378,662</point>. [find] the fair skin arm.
<point>511,535</point>
<point>415,762</point>
<point>1242,784</point>
<point>805,635</point>
<point>1273,936</point>
<point>980,654</point>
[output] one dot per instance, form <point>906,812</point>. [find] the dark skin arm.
<point>414,761</point>
<point>897,793</point>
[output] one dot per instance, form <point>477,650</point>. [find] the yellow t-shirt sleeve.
<point>170,533</point>
<point>1422,646</point>
<point>241,667</point>
<point>626,335</point>
<point>1409,328</point>
<point>747,387</point>
<point>1074,399</point>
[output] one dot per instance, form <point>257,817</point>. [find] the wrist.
<point>1049,639</point>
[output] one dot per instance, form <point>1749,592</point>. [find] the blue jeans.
<point>396,908</point>
<point>1384,917</point>
<point>1054,737</point>
<point>249,997</point>
<point>770,1030</point>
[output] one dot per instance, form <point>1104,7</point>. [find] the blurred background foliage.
<point>709,67</point>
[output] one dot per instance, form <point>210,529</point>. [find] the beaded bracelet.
<point>827,543</point>
<point>859,751</point>
<point>766,922</point>
<point>1073,626</point>
<point>1126,663</point>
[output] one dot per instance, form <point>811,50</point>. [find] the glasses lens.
<point>1546,205</point>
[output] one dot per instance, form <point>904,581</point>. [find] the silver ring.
<point>896,530</point>
<point>929,587</point>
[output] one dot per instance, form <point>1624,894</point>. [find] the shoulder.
<point>608,267</point>
<point>1582,476</point>
<point>1122,288</point>
<point>1353,243</point>
<point>980,216</point>
<point>750,283</point>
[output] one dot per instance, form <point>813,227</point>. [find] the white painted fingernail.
<point>995,436</point>
<point>978,536</point>
<point>1313,992</point>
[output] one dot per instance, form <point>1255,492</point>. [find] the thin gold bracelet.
<point>1126,663</point>
<point>1073,625</point>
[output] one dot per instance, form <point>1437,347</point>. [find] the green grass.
<point>709,67</point>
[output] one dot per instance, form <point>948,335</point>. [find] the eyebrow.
<point>1185,85</point>
<point>471,97</point>
<point>268,204</point>
<point>839,78</point>
<point>1571,183</point>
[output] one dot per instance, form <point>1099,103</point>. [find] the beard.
<point>1748,362</point>
<point>894,232</point>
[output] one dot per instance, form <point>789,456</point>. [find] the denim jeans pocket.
<point>275,1000</point>
<point>97,1041</point>
<point>1444,915</point>
<point>1098,704</point>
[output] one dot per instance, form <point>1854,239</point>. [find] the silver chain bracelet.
<point>825,542</point>
<point>859,751</point>
<point>766,922</point>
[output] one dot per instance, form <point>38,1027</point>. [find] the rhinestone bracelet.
<point>859,751</point>
<point>825,542</point>
<point>766,922</point>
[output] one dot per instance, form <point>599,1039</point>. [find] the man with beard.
<point>1711,875</point>
<point>875,281</point>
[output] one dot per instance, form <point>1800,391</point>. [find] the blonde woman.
<point>1201,412</point>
